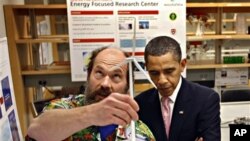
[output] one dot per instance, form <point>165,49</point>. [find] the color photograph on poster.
<point>1,103</point>
<point>6,93</point>
<point>13,126</point>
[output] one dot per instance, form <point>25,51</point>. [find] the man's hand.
<point>199,139</point>
<point>117,109</point>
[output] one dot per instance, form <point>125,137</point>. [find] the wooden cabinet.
<point>221,19</point>
<point>26,26</point>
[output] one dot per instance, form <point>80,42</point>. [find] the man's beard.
<point>91,95</point>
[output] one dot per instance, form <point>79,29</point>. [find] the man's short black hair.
<point>161,45</point>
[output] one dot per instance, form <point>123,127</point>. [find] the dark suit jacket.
<point>196,113</point>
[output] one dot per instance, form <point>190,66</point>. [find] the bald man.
<point>102,113</point>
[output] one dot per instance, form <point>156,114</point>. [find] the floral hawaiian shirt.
<point>93,133</point>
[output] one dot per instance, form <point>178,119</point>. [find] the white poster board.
<point>128,24</point>
<point>231,76</point>
<point>9,122</point>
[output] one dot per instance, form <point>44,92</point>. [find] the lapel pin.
<point>181,112</point>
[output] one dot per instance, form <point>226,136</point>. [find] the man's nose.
<point>162,79</point>
<point>106,82</point>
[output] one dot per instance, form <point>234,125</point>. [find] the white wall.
<point>2,22</point>
<point>229,112</point>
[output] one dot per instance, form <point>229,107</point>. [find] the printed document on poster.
<point>9,122</point>
<point>126,24</point>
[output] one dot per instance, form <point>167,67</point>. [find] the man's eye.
<point>169,71</point>
<point>99,74</point>
<point>153,73</point>
<point>117,77</point>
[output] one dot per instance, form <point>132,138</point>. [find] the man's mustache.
<point>102,92</point>
<point>91,96</point>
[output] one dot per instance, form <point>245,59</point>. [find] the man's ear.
<point>183,63</point>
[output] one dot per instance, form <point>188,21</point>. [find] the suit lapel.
<point>155,116</point>
<point>180,110</point>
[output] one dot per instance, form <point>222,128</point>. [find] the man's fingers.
<point>123,117</point>
<point>123,107</point>
<point>119,121</point>
<point>127,99</point>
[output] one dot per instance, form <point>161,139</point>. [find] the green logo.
<point>173,16</point>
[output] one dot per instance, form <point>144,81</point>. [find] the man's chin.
<point>165,92</point>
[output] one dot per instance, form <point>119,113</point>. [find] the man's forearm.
<point>58,124</point>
